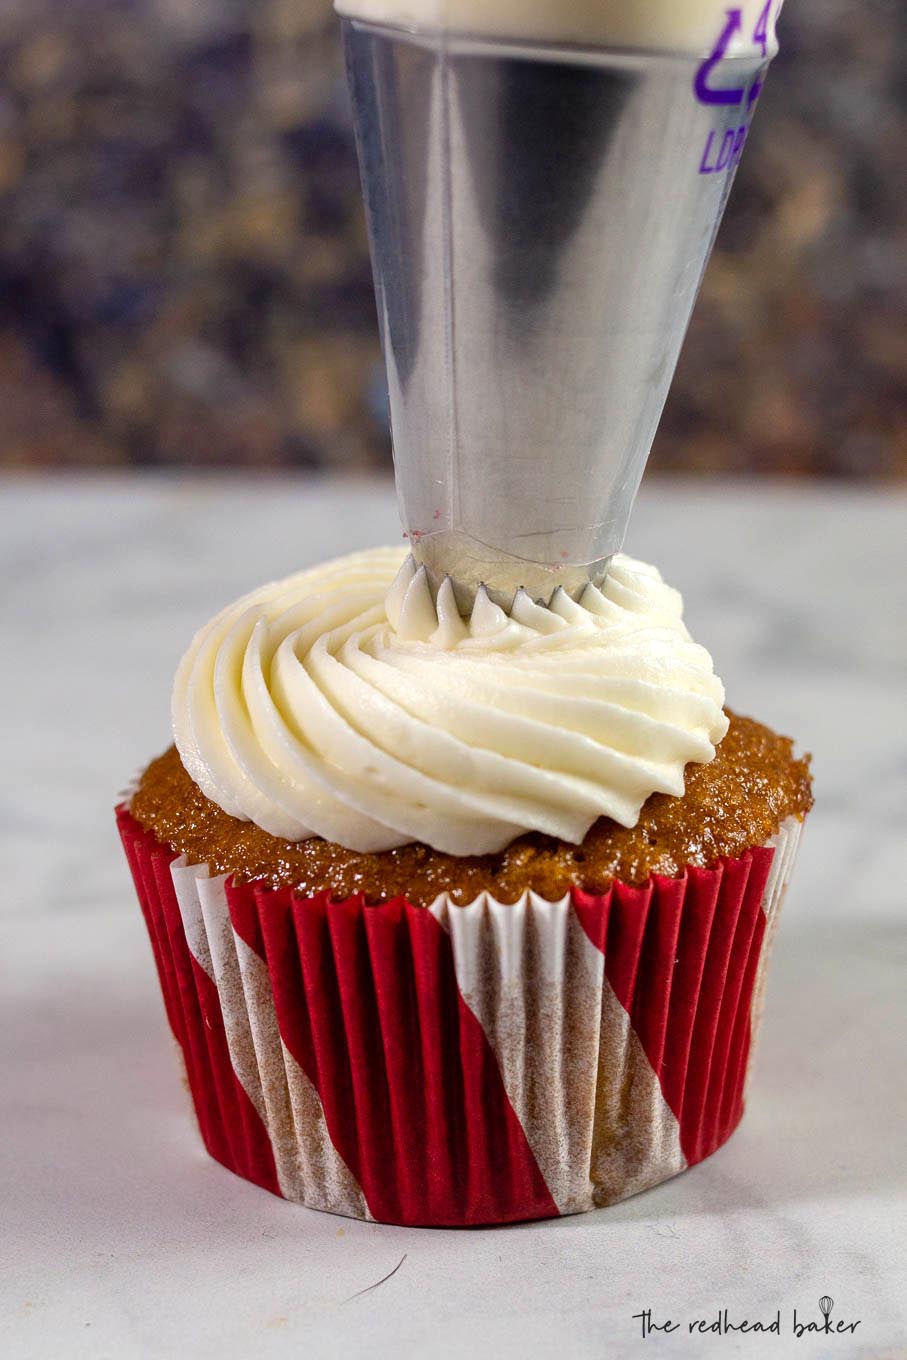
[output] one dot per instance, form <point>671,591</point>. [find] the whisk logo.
<point>722,1323</point>
<point>827,1327</point>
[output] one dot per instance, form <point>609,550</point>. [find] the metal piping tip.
<point>539,219</point>
<point>467,565</point>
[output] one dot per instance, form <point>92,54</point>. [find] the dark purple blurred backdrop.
<point>184,276</point>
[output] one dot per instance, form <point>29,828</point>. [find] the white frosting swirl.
<point>344,702</point>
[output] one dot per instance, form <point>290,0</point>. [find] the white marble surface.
<point>123,1240</point>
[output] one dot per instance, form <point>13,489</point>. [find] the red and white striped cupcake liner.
<point>463,1065</point>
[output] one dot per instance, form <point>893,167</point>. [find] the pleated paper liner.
<point>463,1065</point>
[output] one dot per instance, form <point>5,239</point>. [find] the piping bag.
<point>543,182</point>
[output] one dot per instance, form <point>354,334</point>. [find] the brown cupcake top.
<point>736,802</point>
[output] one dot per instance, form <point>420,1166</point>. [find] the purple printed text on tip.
<point>721,152</point>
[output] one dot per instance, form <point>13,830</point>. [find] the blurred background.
<point>184,276</point>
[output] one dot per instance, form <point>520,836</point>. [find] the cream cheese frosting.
<point>684,26</point>
<point>347,702</point>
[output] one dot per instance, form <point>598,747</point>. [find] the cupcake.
<point>461,920</point>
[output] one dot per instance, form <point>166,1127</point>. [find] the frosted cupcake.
<point>461,921</point>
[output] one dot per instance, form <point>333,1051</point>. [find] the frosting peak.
<point>347,702</point>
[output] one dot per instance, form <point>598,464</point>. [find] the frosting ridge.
<point>346,702</point>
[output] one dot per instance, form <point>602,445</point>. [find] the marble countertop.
<point>122,1238</point>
